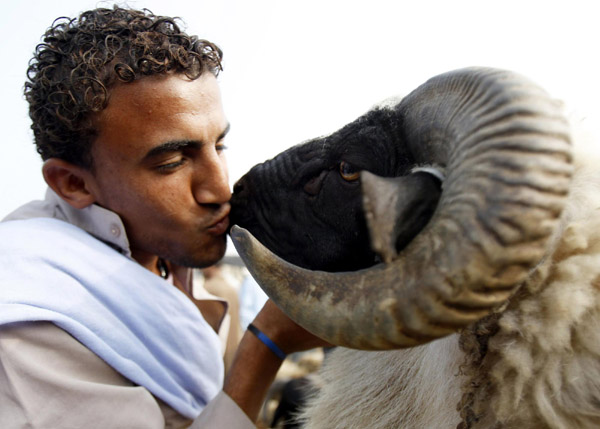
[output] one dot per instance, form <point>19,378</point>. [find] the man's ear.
<point>70,182</point>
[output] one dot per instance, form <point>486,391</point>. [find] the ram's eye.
<point>349,172</point>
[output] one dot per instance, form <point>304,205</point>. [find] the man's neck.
<point>146,260</point>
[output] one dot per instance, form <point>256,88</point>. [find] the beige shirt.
<point>48,379</point>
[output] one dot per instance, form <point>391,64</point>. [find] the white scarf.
<point>142,326</point>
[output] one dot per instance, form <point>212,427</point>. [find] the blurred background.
<point>294,70</point>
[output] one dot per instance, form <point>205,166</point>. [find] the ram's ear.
<point>70,182</point>
<point>397,209</point>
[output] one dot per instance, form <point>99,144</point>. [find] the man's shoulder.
<point>97,221</point>
<point>43,227</point>
<point>64,381</point>
<point>46,341</point>
<point>41,233</point>
<point>41,224</point>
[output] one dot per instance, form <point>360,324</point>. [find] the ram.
<point>449,244</point>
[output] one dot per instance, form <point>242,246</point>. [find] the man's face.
<point>159,164</point>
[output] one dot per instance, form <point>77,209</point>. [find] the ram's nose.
<point>238,187</point>
<point>239,204</point>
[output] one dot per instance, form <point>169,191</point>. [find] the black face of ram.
<point>305,205</point>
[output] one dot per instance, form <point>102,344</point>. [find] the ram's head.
<point>415,220</point>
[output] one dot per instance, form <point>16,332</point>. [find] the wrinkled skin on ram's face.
<point>305,205</point>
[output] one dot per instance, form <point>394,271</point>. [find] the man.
<point>98,327</point>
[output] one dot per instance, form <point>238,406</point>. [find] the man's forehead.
<point>158,105</point>
<point>155,110</point>
<point>156,91</point>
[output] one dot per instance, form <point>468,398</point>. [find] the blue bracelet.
<point>267,341</point>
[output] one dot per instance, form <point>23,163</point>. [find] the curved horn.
<point>505,147</point>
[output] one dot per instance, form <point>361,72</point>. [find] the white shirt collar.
<point>97,221</point>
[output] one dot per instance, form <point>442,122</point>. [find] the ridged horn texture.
<point>506,151</point>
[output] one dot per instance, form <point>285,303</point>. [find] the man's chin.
<point>207,256</point>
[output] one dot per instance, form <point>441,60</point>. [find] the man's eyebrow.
<point>177,145</point>
<point>172,146</point>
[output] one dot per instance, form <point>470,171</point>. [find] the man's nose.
<point>212,182</point>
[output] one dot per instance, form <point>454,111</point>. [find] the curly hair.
<point>80,59</point>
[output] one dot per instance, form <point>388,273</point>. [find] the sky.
<point>295,70</point>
